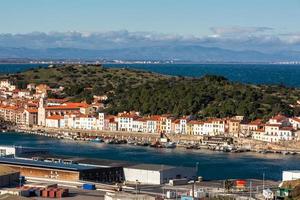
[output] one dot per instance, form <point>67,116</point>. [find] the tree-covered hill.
<point>150,93</point>
<point>209,96</point>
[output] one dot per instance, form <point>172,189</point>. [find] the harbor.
<point>222,144</point>
<point>225,165</point>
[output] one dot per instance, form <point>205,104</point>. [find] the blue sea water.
<point>212,165</point>
<point>244,73</point>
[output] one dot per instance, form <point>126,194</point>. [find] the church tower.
<point>42,111</point>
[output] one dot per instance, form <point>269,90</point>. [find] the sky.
<point>234,20</point>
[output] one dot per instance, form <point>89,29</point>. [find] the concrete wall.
<point>157,177</point>
<point>290,175</point>
<point>142,176</point>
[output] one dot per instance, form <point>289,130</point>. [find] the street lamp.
<point>136,185</point>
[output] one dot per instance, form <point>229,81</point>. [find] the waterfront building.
<point>31,116</point>
<point>165,124</point>
<point>214,127</point>
<point>195,127</point>
<point>234,127</point>
<point>125,121</point>
<point>85,122</point>
<point>246,129</point>
<point>152,125</point>
<point>57,169</point>
<point>291,175</point>
<point>139,125</point>
<point>295,122</point>
<point>274,133</point>
<point>156,174</point>
<point>45,110</point>
<point>279,120</point>
<point>55,121</point>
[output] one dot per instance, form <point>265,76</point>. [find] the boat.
<point>170,145</point>
<point>97,140</point>
<point>285,152</point>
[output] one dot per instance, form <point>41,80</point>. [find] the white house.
<point>55,121</point>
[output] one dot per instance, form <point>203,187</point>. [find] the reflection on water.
<point>212,165</point>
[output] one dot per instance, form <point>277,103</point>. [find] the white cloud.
<point>236,38</point>
<point>239,30</point>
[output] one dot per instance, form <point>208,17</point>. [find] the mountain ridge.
<point>193,53</point>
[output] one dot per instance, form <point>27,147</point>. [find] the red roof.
<point>296,119</point>
<point>68,106</point>
<point>287,128</point>
<point>32,110</point>
<point>279,117</point>
<point>256,122</point>
<point>195,122</point>
<point>55,117</point>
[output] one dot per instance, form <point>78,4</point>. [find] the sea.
<point>282,74</point>
<point>212,165</point>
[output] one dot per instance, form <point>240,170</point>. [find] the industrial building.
<point>290,175</point>
<point>63,171</point>
<point>157,174</point>
<point>8,176</point>
<point>95,170</point>
<point>13,151</point>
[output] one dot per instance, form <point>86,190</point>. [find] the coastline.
<point>188,142</point>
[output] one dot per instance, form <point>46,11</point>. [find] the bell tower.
<point>42,111</point>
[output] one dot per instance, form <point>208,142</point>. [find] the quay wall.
<point>254,145</point>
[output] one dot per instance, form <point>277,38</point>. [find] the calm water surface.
<point>212,165</point>
<point>244,73</point>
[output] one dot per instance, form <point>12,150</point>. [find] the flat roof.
<point>42,164</point>
<point>153,167</point>
<point>293,171</point>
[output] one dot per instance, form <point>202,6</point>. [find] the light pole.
<point>263,180</point>
<point>250,190</point>
<point>136,190</point>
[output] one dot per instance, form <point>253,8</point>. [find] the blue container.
<point>88,186</point>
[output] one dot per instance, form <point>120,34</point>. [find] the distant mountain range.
<point>180,53</point>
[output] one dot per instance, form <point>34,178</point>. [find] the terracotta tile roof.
<point>286,128</point>
<point>141,119</point>
<point>66,106</point>
<point>276,125</point>
<point>32,110</point>
<point>127,115</point>
<point>279,117</point>
<point>256,122</point>
<point>55,117</point>
<point>195,122</point>
<point>177,121</point>
<point>296,119</point>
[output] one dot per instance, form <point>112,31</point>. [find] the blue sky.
<point>168,16</point>
<point>262,25</point>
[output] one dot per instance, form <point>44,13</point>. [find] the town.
<point>30,108</point>
<point>31,111</point>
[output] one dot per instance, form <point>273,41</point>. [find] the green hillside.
<point>152,93</point>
